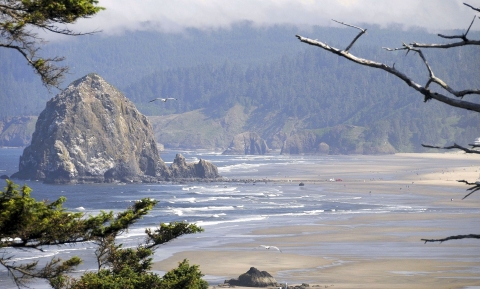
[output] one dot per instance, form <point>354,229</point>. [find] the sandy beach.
<point>367,250</point>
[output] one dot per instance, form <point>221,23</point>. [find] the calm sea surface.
<point>226,210</point>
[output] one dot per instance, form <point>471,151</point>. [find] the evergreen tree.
<point>18,17</point>
<point>27,224</point>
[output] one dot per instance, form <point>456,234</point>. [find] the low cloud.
<point>175,16</point>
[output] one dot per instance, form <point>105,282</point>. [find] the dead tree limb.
<point>454,146</point>
<point>475,187</point>
<point>465,41</point>
<point>425,91</point>
<point>456,100</point>
<point>468,5</point>
<point>470,236</point>
<point>362,31</point>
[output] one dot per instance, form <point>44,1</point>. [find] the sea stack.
<point>91,132</point>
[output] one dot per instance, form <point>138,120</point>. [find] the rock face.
<point>254,278</point>
<point>300,143</point>
<point>16,131</point>
<point>203,169</point>
<point>92,133</point>
<point>247,143</point>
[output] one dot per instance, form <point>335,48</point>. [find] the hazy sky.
<point>176,15</point>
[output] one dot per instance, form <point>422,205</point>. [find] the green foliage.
<point>168,232</point>
<point>61,11</point>
<point>29,224</point>
<point>185,276</point>
<point>125,279</point>
<point>18,17</point>
<point>25,222</point>
<point>182,277</point>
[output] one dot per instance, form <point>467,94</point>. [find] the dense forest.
<point>276,79</point>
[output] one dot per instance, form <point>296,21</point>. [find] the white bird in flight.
<point>270,247</point>
<point>163,99</point>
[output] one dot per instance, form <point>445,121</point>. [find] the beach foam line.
<point>241,220</point>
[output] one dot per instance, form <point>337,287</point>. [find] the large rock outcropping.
<point>254,278</point>
<point>92,133</point>
<point>247,143</point>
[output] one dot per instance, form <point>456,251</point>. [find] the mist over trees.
<point>216,70</point>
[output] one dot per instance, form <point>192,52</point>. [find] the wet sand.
<point>367,250</point>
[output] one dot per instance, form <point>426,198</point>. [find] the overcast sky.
<point>176,15</point>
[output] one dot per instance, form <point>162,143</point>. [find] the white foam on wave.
<point>178,212</point>
<point>241,220</point>
<point>314,212</point>
<point>220,198</point>
<point>186,200</point>
<point>206,209</point>
<point>198,212</point>
<point>222,189</point>
<point>192,188</point>
<point>243,167</point>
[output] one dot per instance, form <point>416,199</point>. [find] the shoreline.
<point>365,250</point>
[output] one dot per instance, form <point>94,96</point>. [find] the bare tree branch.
<point>454,146</point>
<point>468,5</point>
<point>424,90</point>
<point>471,236</point>
<point>392,70</point>
<point>475,187</point>
<point>465,41</point>
<point>362,31</point>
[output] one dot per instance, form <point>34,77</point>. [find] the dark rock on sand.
<point>254,278</point>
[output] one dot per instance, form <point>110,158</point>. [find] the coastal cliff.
<point>16,131</point>
<point>247,143</point>
<point>92,133</point>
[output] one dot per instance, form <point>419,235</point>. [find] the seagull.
<point>270,247</point>
<point>163,99</point>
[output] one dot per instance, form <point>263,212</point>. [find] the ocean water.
<point>228,211</point>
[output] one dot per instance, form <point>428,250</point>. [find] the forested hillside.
<point>126,58</point>
<point>316,91</point>
<point>284,88</point>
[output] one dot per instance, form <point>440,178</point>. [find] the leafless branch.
<point>392,70</point>
<point>454,146</point>
<point>475,187</point>
<point>468,5</point>
<point>432,77</point>
<point>448,45</point>
<point>362,31</point>
<point>471,236</point>
<point>463,36</point>
<point>465,41</point>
